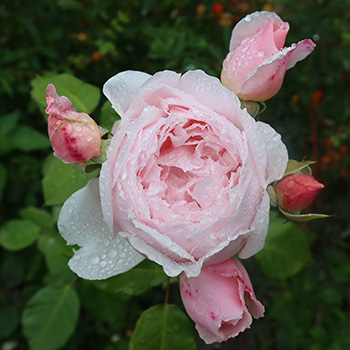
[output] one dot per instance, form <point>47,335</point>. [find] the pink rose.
<point>297,191</point>
<point>184,182</point>
<point>255,66</point>
<point>221,301</point>
<point>75,137</point>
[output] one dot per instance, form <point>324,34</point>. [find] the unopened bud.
<point>75,137</point>
<point>297,191</point>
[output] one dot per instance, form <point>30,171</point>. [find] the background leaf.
<point>136,281</point>
<point>84,97</point>
<point>38,216</point>
<point>49,317</point>
<point>286,249</point>
<point>163,327</point>
<point>28,139</point>
<point>61,180</point>
<point>108,116</point>
<point>56,252</point>
<point>18,234</point>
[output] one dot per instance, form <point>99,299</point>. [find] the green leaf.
<point>84,97</point>
<point>108,116</point>
<point>56,252</point>
<point>28,139</point>
<point>3,179</point>
<point>136,281</point>
<point>60,181</point>
<point>106,307</point>
<point>38,216</point>
<point>163,327</point>
<point>303,217</point>
<point>286,250</point>
<point>18,234</point>
<point>50,317</point>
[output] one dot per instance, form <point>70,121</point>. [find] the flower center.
<point>190,171</point>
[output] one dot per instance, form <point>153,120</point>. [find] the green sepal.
<point>295,167</point>
<point>295,216</point>
<point>253,108</point>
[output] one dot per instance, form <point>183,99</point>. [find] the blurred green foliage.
<point>307,303</point>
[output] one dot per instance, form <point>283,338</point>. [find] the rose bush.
<point>221,300</point>
<point>184,183</point>
<point>75,137</point>
<point>257,62</point>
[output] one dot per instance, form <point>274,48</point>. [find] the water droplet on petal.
<point>94,259</point>
<point>112,253</point>
<point>270,145</point>
<point>103,263</point>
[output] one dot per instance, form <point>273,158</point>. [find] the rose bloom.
<point>75,137</point>
<point>221,300</point>
<point>257,62</point>
<point>184,182</point>
<point>297,191</point>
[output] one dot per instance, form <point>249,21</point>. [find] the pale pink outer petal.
<point>266,80</point>
<point>253,23</point>
<point>101,255</point>
<point>121,89</point>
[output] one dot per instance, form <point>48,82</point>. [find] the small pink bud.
<point>75,137</point>
<point>297,191</point>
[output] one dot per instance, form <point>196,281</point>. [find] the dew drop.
<point>276,138</point>
<point>103,263</point>
<point>94,259</point>
<point>261,53</point>
<point>270,145</point>
<point>112,253</point>
<point>106,242</point>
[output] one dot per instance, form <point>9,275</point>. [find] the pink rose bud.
<point>75,137</point>
<point>221,300</point>
<point>255,66</point>
<point>296,192</point>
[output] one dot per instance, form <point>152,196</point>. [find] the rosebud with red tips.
<point>75,137</point>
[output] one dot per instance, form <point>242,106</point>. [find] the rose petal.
<point>266,79</point>
<point>208,90</point>
<point>303,49</point>
<point>121,88</point>
<point>244,29</point>
<point>259,229</point>
<point>273,159</point>
<point>102,255</point>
